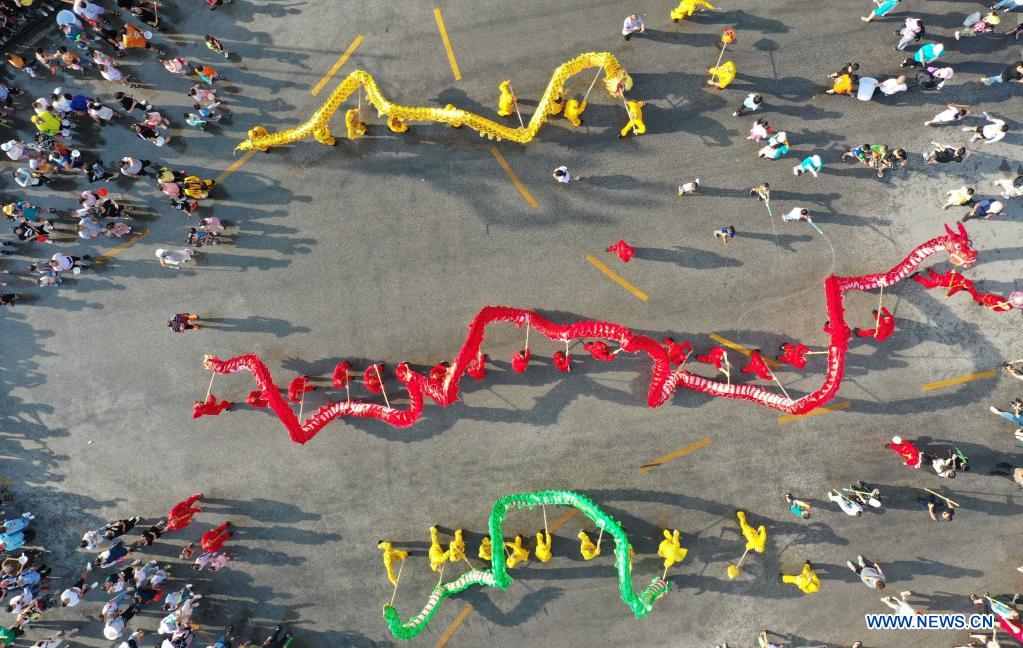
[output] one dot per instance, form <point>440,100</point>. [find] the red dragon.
<point>663,381</point>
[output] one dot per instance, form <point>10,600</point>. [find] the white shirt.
<point>106,113</point>
<point>134,166</point>
<point>17,151</point>
<point>632,25</point>
<point>891,86</point>
<point>848,506</point>
<point>72,595</point>
<point>89,11</point>
<point>564,177</point>
<point>756,130</point>
<point>114,628</point>
<point>64,261</point>
<point>993,131</point>
<point>110,73</point>
<point>947,115</point>
<point>749,103</point>
<point>794,214</point>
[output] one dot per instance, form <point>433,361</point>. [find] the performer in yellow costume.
<point>635,124</point>
<point>557,103</point>
<point>687,8</point>
<point>356,128</point>
<point>671,549</point>
<point>437,554</point>
<point>506,102</point>
<point>807,581</point>
<point>756,539</point>
<point>588,549</point>
<point>543,546</point>
<point>725,74</point>
<point>519,553</point>
<point>396,125</point>
<point>391,556</point>
<point>572,111</point>
<point>484,553</point>
<point>456,549</point>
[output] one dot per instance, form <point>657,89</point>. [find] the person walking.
<point>1013,415</point>
<point>985,209</point>
<point>883,8</point>
<point>953,113</point>
<point>807,580</point>
<point>961,197</point>
<point>900,604</point>
<point>872,575</point>
<point>180,515</point>
<point>1011,74</point>
<point>214,539</point>
<point>182,322</point>
<point>991,132</point>
<point>751,104</point>
<point>561,175</point>
<point>799,508</point>
<point>912,31</point>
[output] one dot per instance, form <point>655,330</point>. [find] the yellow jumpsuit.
<point>587,548</point>
<point>437,554</point>
<point>725,74</point>
<point>456,549</point>
<point>506,102</point>
<point>543,546</point>
<point>557,103</point>
<point>756,539</point>
<point>572,111</point>
<point>687,8</point>
<point>396,125</point>
<point>356,128</point>
<point>635,124</point>
<point>391,556</point>
<point>671,549</point>
<point>807,581</point>
<point>519,553</point>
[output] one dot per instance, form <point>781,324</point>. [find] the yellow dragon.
<point>616,81</point>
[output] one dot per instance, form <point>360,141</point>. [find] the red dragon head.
<point>960,247</point>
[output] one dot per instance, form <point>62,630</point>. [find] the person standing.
<point>985,209</point>
<point>871,575</point>
<point>633,24</point>
<point>133,168</point>
<point>635,124</point>
<point>750,104</point>
<point>561,175</point>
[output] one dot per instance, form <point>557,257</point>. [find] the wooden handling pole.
<point>382,389</point>
<point>877,318</point>
<point>397,579</point>
<point>521,123</point>
<point>590,89</point>
<point>209,390</point>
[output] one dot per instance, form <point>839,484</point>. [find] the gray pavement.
<point>383,249</point>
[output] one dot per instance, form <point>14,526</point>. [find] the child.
<point>751,103</point>
<point>811,164</point>
<point>215,45</point>
<point>725,234</point>
<point>689,188</point>
<point>798,507</point>
<point>561,175</point>
<point>759,130</point>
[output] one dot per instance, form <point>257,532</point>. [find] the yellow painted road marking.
<point>117,249</point>
<point>447,43</point>
<point>958,380</point>
<point>820,410</point>
<point>560,522</point>
<point>337,66</point>
<point>672,456</point>
<point>735,346</point>
<point>454,626</point>
<point>237,164</point>
<point>615,278</point>
<point>514,178</point>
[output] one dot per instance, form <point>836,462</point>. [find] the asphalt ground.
<point>383,249</point>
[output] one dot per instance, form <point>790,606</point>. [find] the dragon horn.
<point>949,230</point>
<point>962,231</point>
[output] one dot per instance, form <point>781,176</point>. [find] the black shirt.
<point>1011,73</point>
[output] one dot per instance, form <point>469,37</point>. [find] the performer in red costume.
<point>180,515</point>
<point>298,386</point>
<point>340,378</point>
<point>677,353</point>
<point>371,378</point>
<point>715,357</point>
<point>599,350</point>
<point>255,398</point>
<point>211,406</point>
<point>993,301</point>
<point>758,366</point>
<point>437,374</point>
<point>910,453</point>
<point>562,362</point>
<point>793,354</point>
<point>884,329</point>
<point>214,539</point>
<point>520,361</point>
<point>952,280</point>
<point>623,250</point>
<point>478,366</point>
